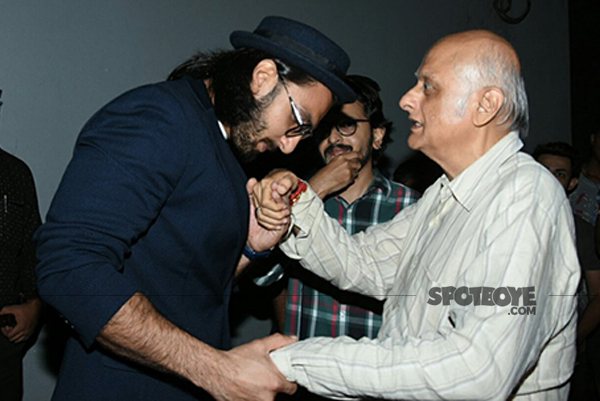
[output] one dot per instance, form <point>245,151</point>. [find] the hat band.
<point>301,49</point>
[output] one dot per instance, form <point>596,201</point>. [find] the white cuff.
<point>281,359</point>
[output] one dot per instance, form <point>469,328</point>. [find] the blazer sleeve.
<point>127,160</point>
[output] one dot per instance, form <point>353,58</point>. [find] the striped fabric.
<point>503,222</point>
<point>315,307</point>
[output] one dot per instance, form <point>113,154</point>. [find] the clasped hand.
<point>271,199</point>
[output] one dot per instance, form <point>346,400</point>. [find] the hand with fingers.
<point>261,239</point>
<point>246,373</point>
<point>26,316</point>
<point>338,174</point>
<point>272,199</point>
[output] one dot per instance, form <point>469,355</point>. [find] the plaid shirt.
<point>317,308</point>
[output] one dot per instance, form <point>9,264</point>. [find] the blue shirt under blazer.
<point>152,201</point>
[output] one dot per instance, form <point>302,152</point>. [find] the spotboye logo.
<point>522,299</point>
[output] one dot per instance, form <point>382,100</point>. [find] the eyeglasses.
<point>303,129</point>
<point>346,126</point>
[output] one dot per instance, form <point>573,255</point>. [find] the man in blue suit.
<point>152,217</point>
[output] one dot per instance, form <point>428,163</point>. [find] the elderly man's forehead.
<point>462,51</point>
<point>436,57</point>
<point>471,44</point>
<point>473,36</point>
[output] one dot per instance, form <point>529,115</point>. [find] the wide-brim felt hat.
<point>303,47</point>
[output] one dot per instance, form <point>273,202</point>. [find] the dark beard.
<point>244,140</point>
<point>246,121</point>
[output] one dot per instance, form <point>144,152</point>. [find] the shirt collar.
<point>380,182</point>
<point>463,187</point>
<point>223,131</point>
<point>200,90</point>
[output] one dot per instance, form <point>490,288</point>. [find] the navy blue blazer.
<point>152,201</point>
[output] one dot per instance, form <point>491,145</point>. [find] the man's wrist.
<point>302,187</point>
<point>201,365</point>
<point>251,254</point>
<point>281,359</point>
<point>316,185</point>
<point>321,191</point>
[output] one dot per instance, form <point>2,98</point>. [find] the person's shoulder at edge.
<point>9,160</point>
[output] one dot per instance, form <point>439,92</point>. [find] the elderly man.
<point>479,275</point>
<point>151,219</point>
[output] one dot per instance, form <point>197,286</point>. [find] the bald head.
<point>483,59</point>
<point>480,40</point>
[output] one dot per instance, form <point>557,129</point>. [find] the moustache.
<point>331,148</point>
<point>363,160</point>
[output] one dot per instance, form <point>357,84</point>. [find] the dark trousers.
<point>11,370</point>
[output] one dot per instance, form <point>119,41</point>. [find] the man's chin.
<point>413,142</point>
<point>247,157</point>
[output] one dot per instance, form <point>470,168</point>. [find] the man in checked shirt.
<point>495,221</point>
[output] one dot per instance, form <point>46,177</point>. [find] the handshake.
<point>271,201</point>
<point>247,372</point>
<point>249,366</point>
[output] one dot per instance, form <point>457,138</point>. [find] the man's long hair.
<point>229,74</point>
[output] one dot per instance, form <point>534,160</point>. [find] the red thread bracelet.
<point>299,191</point>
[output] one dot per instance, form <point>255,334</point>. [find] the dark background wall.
<point>584,27</point>
<point>60,60</point>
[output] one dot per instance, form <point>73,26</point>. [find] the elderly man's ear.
<point>489,104</point>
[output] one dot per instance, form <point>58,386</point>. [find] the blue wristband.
<point>253,255</point>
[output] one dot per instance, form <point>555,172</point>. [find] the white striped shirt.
<point>503,222</point>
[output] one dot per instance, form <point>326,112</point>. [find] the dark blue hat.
<point>303,47</point>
